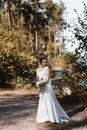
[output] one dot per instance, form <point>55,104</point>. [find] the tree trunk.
<point>22,20</point>
<point>30,39</point>
<point>36,40</point>
<point>7,7</point>
<point>49,34</point>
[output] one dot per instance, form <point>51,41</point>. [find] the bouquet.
<point>41,83</point>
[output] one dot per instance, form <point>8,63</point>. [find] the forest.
<point>29,28</point>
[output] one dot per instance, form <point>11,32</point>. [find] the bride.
<point>49,109</point>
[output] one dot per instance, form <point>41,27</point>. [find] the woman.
<point>49,108</point>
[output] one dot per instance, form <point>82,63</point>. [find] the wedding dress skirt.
<point>49,109</point>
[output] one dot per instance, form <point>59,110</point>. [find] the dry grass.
<point>59,63</point>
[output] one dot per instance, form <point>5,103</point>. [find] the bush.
<point>14,60</point>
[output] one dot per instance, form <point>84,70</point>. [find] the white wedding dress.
<point>49,108</point>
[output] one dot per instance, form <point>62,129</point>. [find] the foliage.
<point>58,62</point>
<point>50,48</point>
<point>70,58</point>
<point>75,74</point>
<point>23,26</point>
<point>15,62</point>
<point>78,71</point>
<point>79,31</point>
<point>32,19</point>
<point>54,11</point>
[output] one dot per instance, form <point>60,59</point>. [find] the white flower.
<point>41,83</point>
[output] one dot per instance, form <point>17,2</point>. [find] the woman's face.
<point>43,63</point>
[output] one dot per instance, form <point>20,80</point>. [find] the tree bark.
<point>7,7</point>
<point>49,34</point>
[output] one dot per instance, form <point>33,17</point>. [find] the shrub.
<point>14,60</point>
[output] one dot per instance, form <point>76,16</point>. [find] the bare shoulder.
<point>47,67</point>
<point>37,69</point>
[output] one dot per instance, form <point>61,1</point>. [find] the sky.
<point>71,15</point>
<point>71,5</point>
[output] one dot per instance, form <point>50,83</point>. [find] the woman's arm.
<point>47,74</point>
<point>37,78</point>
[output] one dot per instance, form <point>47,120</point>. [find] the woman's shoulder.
<point>37,69</point>
<point>47,67</point>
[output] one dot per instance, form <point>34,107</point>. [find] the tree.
<point>24,28</point>
<point>54,12</point>
<point>74,73</point>
<point>77,70</point>
<point>79,31</point>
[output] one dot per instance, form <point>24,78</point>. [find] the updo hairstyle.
<point>42,57</point>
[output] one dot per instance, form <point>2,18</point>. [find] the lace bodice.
<point>41,73</point>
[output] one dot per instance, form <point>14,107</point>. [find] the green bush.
<point>14,60</point>
<point>13,65</point>
<point>75,73</point>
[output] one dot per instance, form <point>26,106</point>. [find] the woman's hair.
<point>42,57</point>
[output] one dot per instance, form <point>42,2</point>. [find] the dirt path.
<point>18,112</point>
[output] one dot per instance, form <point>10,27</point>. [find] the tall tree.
<point>7,7</point>
<point>79,31</point>
<point>54,13</point>
<point>31,18</point>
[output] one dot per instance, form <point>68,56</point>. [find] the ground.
<point>18,112</point>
